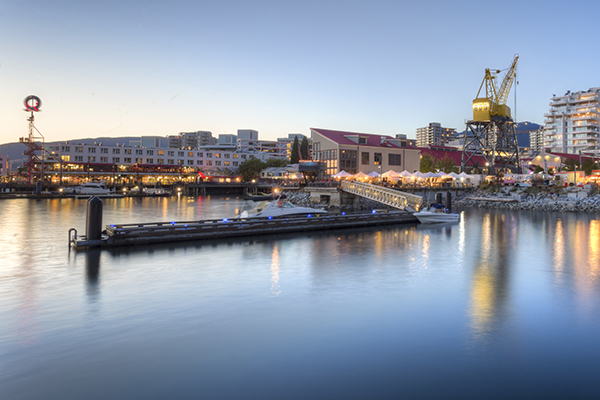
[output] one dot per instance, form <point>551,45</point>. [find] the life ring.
<point>35,105</point>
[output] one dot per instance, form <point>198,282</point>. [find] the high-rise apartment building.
<point>573,122</point>
<point>536,141</point>
<point>434,135</point>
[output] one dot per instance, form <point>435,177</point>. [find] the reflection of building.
<point>434,134</point>
<point>3,164</point>
<point>573,122</point>
<point>354,152</point>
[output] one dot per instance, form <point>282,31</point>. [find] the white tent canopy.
<point>390,174</point>
<point>342,174</point>
<point>406,174</point>
<point>373,174</point>
<point>361,175</point>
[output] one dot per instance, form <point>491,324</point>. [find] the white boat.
<point>436,214</point>
<point>157,191</point>
<point>276,208</point>
<point>92,188</point>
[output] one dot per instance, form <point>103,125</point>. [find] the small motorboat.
<point>436,213</point>
<point>92,188</point>
<point>276,208</point>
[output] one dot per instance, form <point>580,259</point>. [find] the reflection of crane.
<point>490,138</point>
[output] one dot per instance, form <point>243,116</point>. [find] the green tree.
<point>295,157</point>
<point>588,165</point>
<point>571,163</point>
<point>304,149</point>
<point>427,163</point>
<point>276,163</point>
<point>447,165</point>
<point>250,168</point>
<point>538,169</point>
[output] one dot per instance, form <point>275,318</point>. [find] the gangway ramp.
<point>387,196</point>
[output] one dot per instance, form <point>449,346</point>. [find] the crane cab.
<point>484,108</point>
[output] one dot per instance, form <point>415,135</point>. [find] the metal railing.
<point>390,197</point>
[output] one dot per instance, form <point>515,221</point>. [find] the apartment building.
<point>573,122</point>
<point>434,135</point>
<point>3,164</point>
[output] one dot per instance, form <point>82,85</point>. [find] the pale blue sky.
<point>129,68</point>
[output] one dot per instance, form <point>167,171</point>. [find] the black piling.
<point>438,198</point>
<point>93,225</point>
<point>448,202</point>
<point>38,188</point>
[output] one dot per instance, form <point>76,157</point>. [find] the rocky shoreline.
<point>577,201</point>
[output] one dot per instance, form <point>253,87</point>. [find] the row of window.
<point>148,152</point>
<point>160,161</point>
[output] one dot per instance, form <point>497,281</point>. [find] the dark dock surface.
<point>160,232</point>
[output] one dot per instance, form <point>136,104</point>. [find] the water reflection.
<point>275,267</point>
<point>92,270</point>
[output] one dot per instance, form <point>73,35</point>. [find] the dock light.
<point>373,212</point>
<point>308,216</point>
<point>270,217</point>
<point>179,189</point>
<point>343,212</point>
<point>124,190</point>
<point>185,226</point>
<point>112,226</point>
<point>173,223</point>
<point>276,190</point>
<point>225,220</point>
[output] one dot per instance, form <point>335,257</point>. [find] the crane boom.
<point>507,82</point>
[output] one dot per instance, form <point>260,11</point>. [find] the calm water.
<point>503,304</point>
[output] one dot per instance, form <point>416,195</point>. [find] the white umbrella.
<point>373,174</point>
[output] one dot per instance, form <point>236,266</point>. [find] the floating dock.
<point>161,232</point>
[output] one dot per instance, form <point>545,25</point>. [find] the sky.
<point>133,68</point>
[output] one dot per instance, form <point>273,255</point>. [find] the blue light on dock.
<point>112,226</point>
<point>343,212</point>
<point>308,216</point>
<point>225,220</point>
<point>270,217</point>
<point>173,223</point>
<point>373,212</point>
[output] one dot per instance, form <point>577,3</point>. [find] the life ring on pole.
<point>32,103</point>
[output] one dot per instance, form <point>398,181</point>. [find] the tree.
<point>250,168</point>
<point>538,169</point>
<point>447,165</point>
<point>427,163</point>
<point>304,149</point>
<point>276,163</point>
<point>295,157</point>
<point>588,165</point>
<point>571,163</point>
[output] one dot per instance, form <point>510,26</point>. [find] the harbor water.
<point>501,305</point>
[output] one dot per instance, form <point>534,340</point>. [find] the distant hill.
<point>15,150</point>
<point>523,129</point>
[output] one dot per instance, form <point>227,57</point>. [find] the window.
<point>116,151</point>
<point>348,160</point>
<point>227,155</point>
<point>364,160</point>
<point>226,163</point>
<point>104,159</point>
<point>160,152</point>
<point>78,158</point>
<point>209,155</point>
<point>362,140</point>
<point>180,154</point>
<point>235,163</point>
<point>171,153</point>
<point>92,150</point>
<point>243,156</point>
<point>171,161</point>
<point>104,150</point>
<point>139,161</point>
<point>66,148</point>
<point>180,162</point>
<point>151,161</point>
<point>139,152</point>
<point>235,156</point>
<point>79,149</point>
<point>161,161</point>
<point>65,158</point>
<point>377,158</point>
<point>127,160</point>
<point>200,162</point>
<point>395,159</point>
<point>149,152</point>
<point>200,155</point>
<point>217,155</point>
<point>116,160</point>
<point>190,162</point>
<point>92,159</point>
<point>127,151</point>
<point>218,163</point>
<point>190,154</point>
<point>208,162</point>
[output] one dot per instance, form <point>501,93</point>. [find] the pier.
<point>160,232</point>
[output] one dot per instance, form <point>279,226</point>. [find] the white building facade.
<point>573,123</point>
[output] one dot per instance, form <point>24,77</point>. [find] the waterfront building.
<point>434,135</point>
<point>3,164</point>
<point>354,152</point>
<point>573,122</point>
<point>536,141</point>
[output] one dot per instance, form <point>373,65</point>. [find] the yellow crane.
<point>494,102</point>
